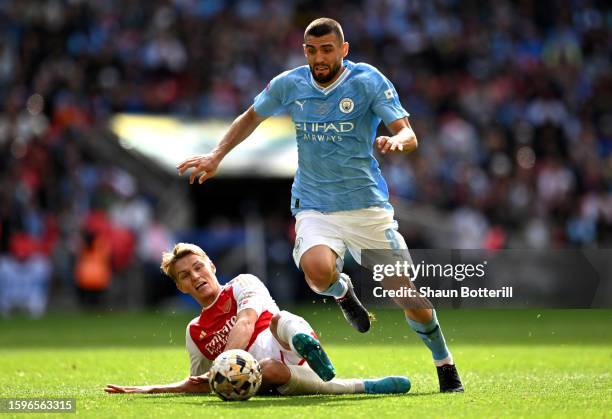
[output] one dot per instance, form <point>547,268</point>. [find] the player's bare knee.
<point>274,372</point>
<point>319,273</point>
<point>319,266</point>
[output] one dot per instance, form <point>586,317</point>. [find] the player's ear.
<point>345,49</point>
<point>212,266</point>
<point>305,53</point>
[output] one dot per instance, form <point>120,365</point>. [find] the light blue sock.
<point>432,336</point>
<point>337,289</point>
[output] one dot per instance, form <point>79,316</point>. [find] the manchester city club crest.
<point>296,247</point>
<point>346,105</point>
<point>298,243</point>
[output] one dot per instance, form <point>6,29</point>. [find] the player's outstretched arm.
<point>403,140</point>
<point>189,385</point>
<point>205,165</point>
<point>241,333</point>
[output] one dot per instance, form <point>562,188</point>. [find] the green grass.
<point>516,363</point>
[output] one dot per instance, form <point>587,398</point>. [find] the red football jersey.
<point>211,330</point>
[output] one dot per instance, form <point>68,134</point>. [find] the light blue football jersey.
<point>335,131</point>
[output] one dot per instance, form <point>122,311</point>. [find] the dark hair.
<point>323,26</point>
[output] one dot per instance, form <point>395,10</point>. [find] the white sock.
<point>304,381</point>
<point>290,325</point>
<point>446,361</point>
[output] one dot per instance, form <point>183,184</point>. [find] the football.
<point>235,375</point>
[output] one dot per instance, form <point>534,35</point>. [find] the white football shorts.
<point>367,228</point>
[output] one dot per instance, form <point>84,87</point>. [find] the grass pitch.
<point>519,363</point>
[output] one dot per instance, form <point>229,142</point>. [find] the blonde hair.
<point>179,251</point>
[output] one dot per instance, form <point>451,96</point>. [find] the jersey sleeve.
<point>198,363</point>
<point>386,101</point>
<point>250,292</point>
<point>270,101</point>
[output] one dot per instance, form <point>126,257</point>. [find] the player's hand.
<point>205,166</point>
<point>386,144</point>
<point>115,389</point>
<point>199,379</point>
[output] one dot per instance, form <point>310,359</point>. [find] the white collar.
<point>328,89</point>
<point>216,298</point>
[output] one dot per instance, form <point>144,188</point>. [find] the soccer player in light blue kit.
<point>339,197</point>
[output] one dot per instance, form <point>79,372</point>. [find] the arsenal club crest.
<point>227,306</point>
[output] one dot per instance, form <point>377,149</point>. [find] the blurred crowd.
<point>510,101</point>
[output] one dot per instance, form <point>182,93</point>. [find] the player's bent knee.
<point>274,372</point>
<point>320,272</point>
<point>279,329</point>
<point>319,265</point>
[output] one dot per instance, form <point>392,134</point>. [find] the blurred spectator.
<point>93,269</point>
<point>24,278</point>
<point>154,240</point>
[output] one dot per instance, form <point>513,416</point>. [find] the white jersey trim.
<point>216,298</point>
<point>327,90</point>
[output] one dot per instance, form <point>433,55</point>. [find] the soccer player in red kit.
<point>243,315</point>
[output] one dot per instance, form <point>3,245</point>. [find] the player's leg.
<point>419,313</point>
<point>294,380</point>
<point>294,333</point>
<point>273,374</point>
<point>425,323</point>
<point>318,252</point>
<point>282,367</point>
<point>320,265</point>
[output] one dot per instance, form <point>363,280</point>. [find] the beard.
<point>333,70</point>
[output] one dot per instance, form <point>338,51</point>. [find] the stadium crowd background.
<point>510,101</point>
